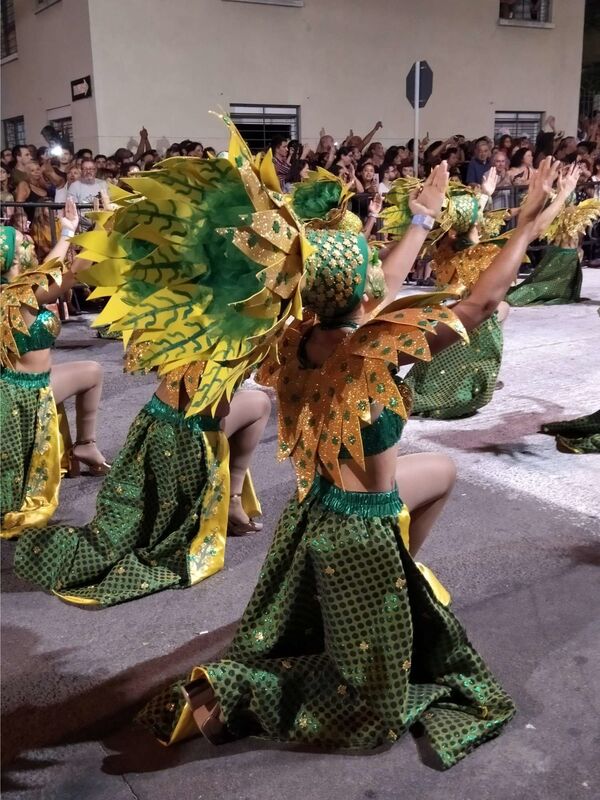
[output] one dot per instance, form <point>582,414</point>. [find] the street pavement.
<point>518,544</point>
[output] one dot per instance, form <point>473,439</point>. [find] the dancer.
<point>344,643</point>
<point>557,278</point>
<point>188,255</point>
<point>463,378</point>
<point>30,472</point>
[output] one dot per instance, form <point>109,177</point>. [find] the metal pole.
<point>416,132</point>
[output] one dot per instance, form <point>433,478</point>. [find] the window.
<point>14,131</point>
<point>64,128</point>
<point>518,123</point>
<point>525,11</point>
<point>259,124</point>
<point>9,31</point>
<point>294,3</point>
<point>40,5</point>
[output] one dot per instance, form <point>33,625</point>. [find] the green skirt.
<point>29,451</point>
<point>581,435</point>
<point>343,643</point>
<point>161,517</point>
<point>556,279</point>
<point>460,379</point>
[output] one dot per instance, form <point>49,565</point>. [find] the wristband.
<point>67,234</point>
<point>423,221</point>
<point>373,216</point>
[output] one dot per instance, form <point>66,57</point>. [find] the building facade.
<point>291,65</point>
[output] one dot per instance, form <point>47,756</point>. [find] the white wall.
<point>53,49</point>
<point>343,61</point>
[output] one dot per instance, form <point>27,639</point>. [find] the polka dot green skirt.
<point>343,643</point>
<point>460,379</point>
<point>557,279</point>
<point>161,517</point>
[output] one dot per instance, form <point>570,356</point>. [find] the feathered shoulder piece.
<point>202,264</point>
<point>572,221</point>
<point>459,271</point>
<point>397,215</point>
<point>20,291</point>
<point>321,408</point>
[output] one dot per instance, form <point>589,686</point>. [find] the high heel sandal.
<point>237,528</point>
<point>95,469</point>
<point>206,711</point>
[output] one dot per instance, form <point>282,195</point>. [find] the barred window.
<point>64,127</point>
<point>9,30</point>
<point>14,131</point>
<point>259,124</point>
<point>518,123</point>
<point>526,10</point>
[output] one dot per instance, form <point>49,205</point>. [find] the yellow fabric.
<point>207,551</point>
<point>440,591</point>
<point>43,476</point>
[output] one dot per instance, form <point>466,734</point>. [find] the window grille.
<point>259,124</point>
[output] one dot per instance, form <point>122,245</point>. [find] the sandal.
<point>240,528</point>
<point>206,711</point>
<point>96,469</point>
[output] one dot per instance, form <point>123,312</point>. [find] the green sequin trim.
<point>384,433</point>
<point>43,332</point>
<point>160,410</point>
<point>26,380</point>
<point>360,504</point>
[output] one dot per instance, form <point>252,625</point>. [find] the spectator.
<point>281,158</point>
<point>387,175</point>
<point>5,195</point>
<point>368,177</point>
<point>88,187</point>
<point>407,171</point>
<point>521,167</point>
<point>209,152</point>
<point>84,153</point>
<point>376,154</point>
<point>6,159</point>
<point>298,172</point>
<point>74,174</point>
<point>544,146</point>
<point>55,169</point>
<point>452,157</point>
<point>480,163</point>
<point>566,148</point>
<point>100,162</point>
<point>21,158</point>
<point>501,163</point>
<point>193,149</point>
<point>595,180</point>
<point>505,143</point>
<point>33,189</point>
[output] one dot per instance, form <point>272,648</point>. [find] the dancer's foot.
<point>206,711</point>
<point>87,453</point>
<point>239,523</point>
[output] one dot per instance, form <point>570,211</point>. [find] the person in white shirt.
<point>88,187</point>
<point>387,175</point>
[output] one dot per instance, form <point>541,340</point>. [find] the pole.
<point>416,132</point>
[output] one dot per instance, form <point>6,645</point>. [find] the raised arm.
<point>534,220</point>
<point>398,259</point>
<point>68,223</point>
<point>367,138</point>
<point>142,146</point>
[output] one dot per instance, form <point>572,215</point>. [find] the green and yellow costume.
<point>346,641</point>
<point>580,435</point>
<point>31,445</point>
<point>202,266</point>
<point>557,278</point>
<point>461,379</point>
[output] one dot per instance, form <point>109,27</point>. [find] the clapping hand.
<point>430,198</point>
<point>540,188</point>
<point>376,205</point>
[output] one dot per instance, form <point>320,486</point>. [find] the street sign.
<point>81,88</point>
<point>424,86</point>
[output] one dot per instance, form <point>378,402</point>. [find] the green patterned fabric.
<point>343,644</point>
<point>556,280</point>
<point>147,512</point>
<point>19,409</point>
<point>580,435</point>
<point>460,379</point>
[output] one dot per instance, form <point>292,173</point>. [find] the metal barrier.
<point>51,207</point>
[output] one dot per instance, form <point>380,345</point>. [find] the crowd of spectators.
<point>35,176</point>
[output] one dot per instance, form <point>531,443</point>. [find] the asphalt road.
<point>518,546</point>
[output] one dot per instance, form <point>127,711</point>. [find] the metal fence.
<point>52,209</point>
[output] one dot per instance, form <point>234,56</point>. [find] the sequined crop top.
<point>43,332</point>
<point>380,435</point>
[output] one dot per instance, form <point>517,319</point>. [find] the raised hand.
<point>430,199</point>
<point>540,188</point>
<point>378,125</point>
<point>376,204</point>
<point>69,219</point>
<point>568,179</point>
<point>489,182</point>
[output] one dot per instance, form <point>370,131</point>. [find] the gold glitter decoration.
<point>321,409</point>
<point>363,646</point>
<point>342,690</point>
<point>460,271</point>
<point>572,222</point>
<point>329,571</point>
<point>400,583</point>
<point>406,665</point>
<point>20,291</point>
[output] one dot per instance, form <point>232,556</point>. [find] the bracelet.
<point>67,234</point>
<point>372,216</point>
<point>423,221</point>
